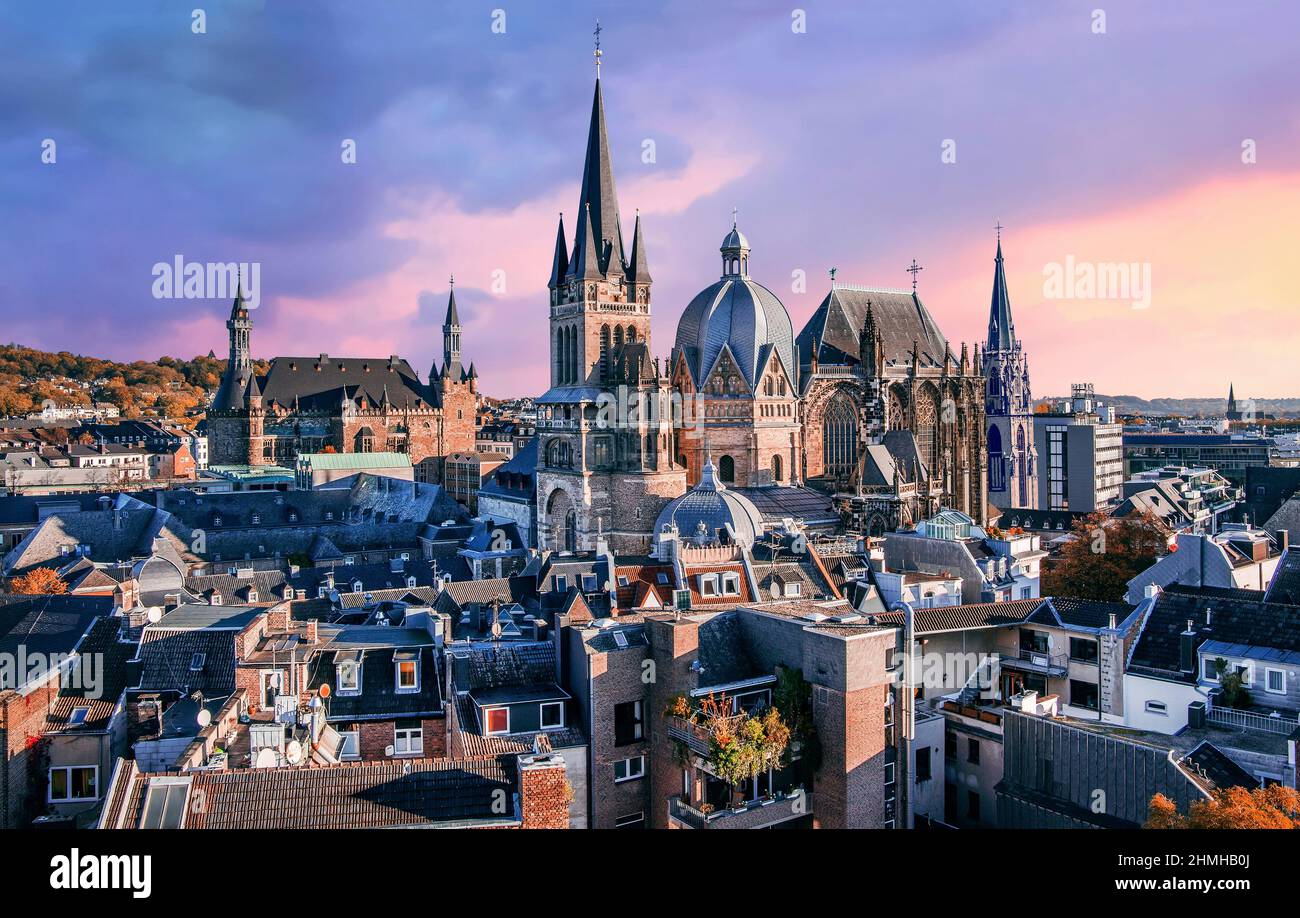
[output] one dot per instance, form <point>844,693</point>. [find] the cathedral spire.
<point>638,272</point>
<point>1002,332</point>
<point>560,264</point>
<point>586,256</point>
<point>599,195</point>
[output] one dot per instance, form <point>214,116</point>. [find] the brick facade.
<point>22,723</point>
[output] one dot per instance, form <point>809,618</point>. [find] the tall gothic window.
<point>840,437</point>
<point>926,429</point>
<point>604,352</point>
<point>997,474</point>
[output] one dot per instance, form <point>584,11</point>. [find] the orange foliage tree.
<point>41,581</point>
<point>1274,807</point>
<point>1104,556</point>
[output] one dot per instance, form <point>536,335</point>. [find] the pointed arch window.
<point>840,437</point>
<point>727,469</point>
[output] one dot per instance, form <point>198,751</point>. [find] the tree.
<point>1105,554</point>
<point>1232,685</point>
<point>42,581</point>
<point>1273,807</point>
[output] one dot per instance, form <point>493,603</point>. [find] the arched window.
<point>727,469</point>
<point>769,387</point>
<point>631,334</point>
<point>604,352</point>
<point>927,429</point>
<point>840,437</point>
<point>776,468</point>
<point>997,471</point>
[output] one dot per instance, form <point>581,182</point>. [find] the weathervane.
<point>914,269</point>
<point>597,53</point>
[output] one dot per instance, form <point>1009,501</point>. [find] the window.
<point>1275,681</point>
<point>498,720</point>
<point>973,751</point>
<point>628,725</point>
<point>350,748</point>
<point>629,769</point>
<point>552,715</point>
<point>923,772</point>
<point>950,745</point>
<point>972,804</point>
<point>588,583</point>
<point>164,803</point>
<point>78,717</point>
<point>349,678</point>
<point>1083,650</point>
<point>408,673</point>
<point>708,584</point>
<point>1083,694</point>
<point>630,821</point>
<point>408,738</point>
<point>1209,671</point>
<point>730,584</point>
<point>622,580</point>
<point>561,584</point>
<point>662,578</point>
<point>1157,707</point>
<point>73,784</point>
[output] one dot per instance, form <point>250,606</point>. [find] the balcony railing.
<point>695,736</point>
<point>1283,724</point>
<point>753,814</point>
<point>1038,660</point>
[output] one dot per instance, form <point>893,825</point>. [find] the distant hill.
<point>1193,407</point>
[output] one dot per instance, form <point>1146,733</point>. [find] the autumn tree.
<point>1104,555</point>
<point>42,581</point>
<point>1273,807</point>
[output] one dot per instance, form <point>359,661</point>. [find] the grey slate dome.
<point>738,314</point>
<point>709,513</point>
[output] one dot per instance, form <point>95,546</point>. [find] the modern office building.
<point>1080,448</point>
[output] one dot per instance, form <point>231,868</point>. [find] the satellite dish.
<point>294,752</point>
<point>265,758</point>
<point>388,751</point>
<point>154,614</point>
<point>205,718</point>
<point>324,690</point>
<point>776,591</point>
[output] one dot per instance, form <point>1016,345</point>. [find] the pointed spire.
<point>599,195</point>
<point>1002,332</point>
<point>586,257</point>
<point>638,272</point>
<point>385,403</point>
<point>453,317</point>
<point>560,264</point>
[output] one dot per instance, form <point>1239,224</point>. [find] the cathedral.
<point>868,402</point>
<point>339,404</point>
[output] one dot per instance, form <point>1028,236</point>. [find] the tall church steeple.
<point>451,336</point>
<point>600,199</point>
<point>1002,331</point>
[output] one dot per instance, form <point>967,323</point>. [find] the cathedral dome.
<point>709,513</point>
<point>738,314</point>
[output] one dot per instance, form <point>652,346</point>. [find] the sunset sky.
<point>1125,146</point>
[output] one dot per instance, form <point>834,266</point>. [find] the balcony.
<point>1036,661</point>
<point>695,736</point>
<point>763,813</point>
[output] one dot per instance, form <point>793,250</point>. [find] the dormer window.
<point>730,584</point>
<point>356,586</point>
<point>708,584</point>
<point>293,517</point>
<point>216,599</point>
<point>216,521</point>
<point>793,589</point>
<point>288,593</point>
<point>496,720</point>
<point>348,677</point>
<point>257,519</point>
<point>410,583</point>
<point>552,715</point>
<point>320,591</point>
<point>561,584</point>
<point>407,670</point>
<point>588,583</point>
<point>252,595</point>
<point>348,560</point>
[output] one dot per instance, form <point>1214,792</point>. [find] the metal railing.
<point>1247,720</point>
<point>1040,658</point>
<point>753,814</point>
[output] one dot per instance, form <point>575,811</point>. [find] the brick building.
<point>344,404</point>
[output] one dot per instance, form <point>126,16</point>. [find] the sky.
<point>859,136</point>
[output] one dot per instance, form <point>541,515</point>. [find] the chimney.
<point>1151,591</point>
<point>1114,623</point>
<point>1187,648</point>
<point>277,621</point>
<point>313,631</point>
<point>1283,539</point>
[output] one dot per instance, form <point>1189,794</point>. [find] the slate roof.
<point>797,502</point>
<point>900,317</point>
<point>316,384</point>
<point>47,624</point>
<point>379,698</point>
<point>363,795</point>
<point>111,675</point>
<point>168,646</point>
<point>1213,770</point>
<point>743,317</point>
<point>112,535</point>
<point>1081,613</point>
<point>1250,622</point>
<point>514,479</point>
<point>1285,585</point>
<point>510,664</point>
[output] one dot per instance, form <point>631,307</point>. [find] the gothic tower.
<point>606,458</point>
<point>1009,406</point>
<point>451,336</point>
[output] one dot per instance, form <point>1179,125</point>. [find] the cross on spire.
<point>597,52</point>
<point>998,226</point>
<point>832,272</point>
<point>734,211</point>
<point>914,269</point>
